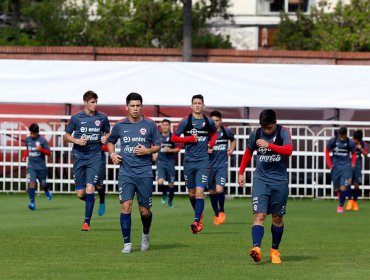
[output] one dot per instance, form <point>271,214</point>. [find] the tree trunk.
<point>187,45</point>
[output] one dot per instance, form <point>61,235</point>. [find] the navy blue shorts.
<point>196,174</point>
<point>270,198</point>
<point>86,172</point>
<point>36,174</point>
<point>341,177</point>
<point>357,175</point>
<point>217,177</point>
<point>166,172</point>
<point>143,187</point>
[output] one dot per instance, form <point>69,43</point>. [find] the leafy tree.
<point>346,28</point>
<point>114,23</point>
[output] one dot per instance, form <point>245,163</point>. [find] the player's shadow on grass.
<point>168,246</point>
<point>291,258</point>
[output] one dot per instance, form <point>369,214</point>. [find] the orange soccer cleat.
<point>355,206</point>
<point>350,203</point>
<point>275,256</point>
<point>85,227</point>
<point>222,217</point>
<point>256,254</point>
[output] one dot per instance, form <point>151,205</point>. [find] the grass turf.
<point>47,243</point>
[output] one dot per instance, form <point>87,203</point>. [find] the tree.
<point>346,28</point>
<point>116,23</point>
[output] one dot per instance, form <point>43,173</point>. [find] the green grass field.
<point>47,243</point>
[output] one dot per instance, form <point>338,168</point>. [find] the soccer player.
<point>165,159</point>
<point>198,130</point>
<point>341,148</point>
<point>37,149</point>
<point>90,129</point>
<point>218,160</point>
<point>361,149</point>
<point>139,139</point>
<point>270,181</point>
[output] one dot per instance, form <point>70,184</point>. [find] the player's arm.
<point>183,139</point>
<point>111,145</point>
<point>328,158</point>
<point>25,155</point>
<point>285,150</point>
<point>213,139</point>
<point>243,165</point>
<point>46,152</point>
<point>232,147</point>
<point>365,149</point>
<point>69,138</point>
<point>176,149</point>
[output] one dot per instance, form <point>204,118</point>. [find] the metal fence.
<point>308,173</point>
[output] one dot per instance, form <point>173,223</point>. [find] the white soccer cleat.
<point>127,248</point>
<point>144,245</point>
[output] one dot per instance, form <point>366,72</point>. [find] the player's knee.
<point>277,220</point>
<point>213,191</point>
<point>170,185</point>
<point>90,188</point>
<point>160,181</point>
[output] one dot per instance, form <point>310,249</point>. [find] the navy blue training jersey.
<point>164,157</point>
<point>219,157</point>
<point>36,159</point>
<point>93,128</point>
<point>270,166</point>
<point>341,152</point>
<point>198,150</point>
<point>359,154</point>
<point>144,132</point>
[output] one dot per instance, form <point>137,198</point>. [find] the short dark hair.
<point>166,120</point>
<point>342,131</point>
<point>267,116</point>
<point>89,95</point>
<point>34,128</point>
<point>216,114</point>
<point>134,96</point>
<point>358,135</point>
<point>197,96</point>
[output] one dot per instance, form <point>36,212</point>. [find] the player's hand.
<point>141,150</point>
<point>262,143</point>
<point>241,181</point>
<point>82,141</point>
<point>116,159</point>
<point>165,149</point>
<point>154,157</point>
<point>230,152</point>
<point>38,147</point>
<point>23,159</point>
<point>195,137</point>
<point>104,139</point>
<point>210,150</point>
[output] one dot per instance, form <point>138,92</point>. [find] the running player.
<point>218,160</point>
<point>90,130</point>
<point>139,139</point>
<point>270,181</point>
<point>165,159</point>
<point>198,130</point>
<point>361,149</point>
<point>37,149</point>
<point>341,148</point>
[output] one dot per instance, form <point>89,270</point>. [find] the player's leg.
<point>144,195</point>
<point>160,180</point>
<point>336,181</point>
<point>126,187</point>
<point>41,176</point>
<point>344,187</point>
<point>357,181</point>
<point>171,173</point>
<point>189,177</point>
<point>277,206</point>
<point>260,200</point>
<point>31,178</point>
<point>201,180</point>
<point>79,174</point>
<point>213,194</point>
<point>92,178</point>
<point>221,179</point>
